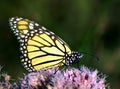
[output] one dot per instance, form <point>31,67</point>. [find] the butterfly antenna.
<point>92,55</point>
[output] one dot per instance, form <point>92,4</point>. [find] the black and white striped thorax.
<point>73,57</point>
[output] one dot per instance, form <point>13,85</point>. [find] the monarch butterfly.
<point>41,48</point>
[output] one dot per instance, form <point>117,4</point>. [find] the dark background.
<point>91,26</point>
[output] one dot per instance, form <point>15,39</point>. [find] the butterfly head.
<point>73,57</point>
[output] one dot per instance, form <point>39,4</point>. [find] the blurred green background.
<point>91,26</point>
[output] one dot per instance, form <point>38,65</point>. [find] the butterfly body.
<point>40,47</point>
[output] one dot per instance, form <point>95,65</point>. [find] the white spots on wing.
<point>31,24</point>
<point>24,47</point>
<point>32,32</point>
<point>60,40</point>
<point>29,61</point>
<point>21,48</point>
<point>17,31</point>
<point>25,51</point>
<point>26,37</point>
<point>33,69</point>
<point>53,37</point>
<point>29,65</point>
<point>37,34</point>
<point>25,63</point>
<point>25,66</point>
<point>26,40</point>
<point>22,44</point>
<point>14,26</point>
<point>21,35</point>
<point>40,31</point>
<point>29,70</point>
<point>11,19</point>
<point>28,34</point>
<point>47,33</point>
<point>31,35</point>
<point>10,23</point>
<point>22,60</point>
<point>44,28</point>
<point>36,30</point>
<point>36,24</point>
<point>51,32</point>
<point>25,55</point>
<point>21,40</point>
<point>18,37</point>
<point>26,59</point>
<point>15,22</point>
<point>31,27</point>
<point>18,19</point>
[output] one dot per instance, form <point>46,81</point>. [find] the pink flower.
<point>72,78</point>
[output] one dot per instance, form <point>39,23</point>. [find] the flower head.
<point>72,78</point>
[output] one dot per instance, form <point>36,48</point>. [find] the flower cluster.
<point>70,78</point>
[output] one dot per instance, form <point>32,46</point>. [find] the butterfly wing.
<point>40,47</point>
